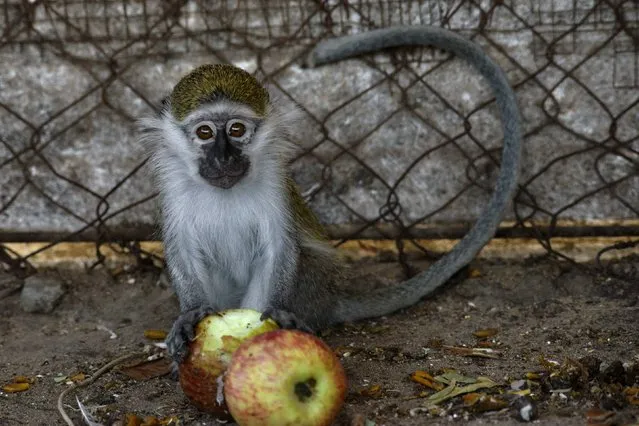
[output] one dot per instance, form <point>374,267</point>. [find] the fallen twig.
<point>88,381</point>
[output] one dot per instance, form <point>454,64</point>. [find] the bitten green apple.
<point>217,336</point>
<point>282,378</point>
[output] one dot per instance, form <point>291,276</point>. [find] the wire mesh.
<point>72,87</point>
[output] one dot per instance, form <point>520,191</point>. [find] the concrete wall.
<point>74,76</point>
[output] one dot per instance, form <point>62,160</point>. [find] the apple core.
<point>304,390</point>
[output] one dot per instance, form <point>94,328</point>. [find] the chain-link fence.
<point>399,145</point>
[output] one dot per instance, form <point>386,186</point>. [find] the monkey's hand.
<point>286,319</point>
<point>183,331</point>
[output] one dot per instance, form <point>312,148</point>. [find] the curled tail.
<point>387,300</point>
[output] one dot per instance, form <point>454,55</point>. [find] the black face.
<point>222,163</point>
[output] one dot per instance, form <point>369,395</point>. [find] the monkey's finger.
<point>286,320</point>
<point>188,331</point>
<point>174,374</point>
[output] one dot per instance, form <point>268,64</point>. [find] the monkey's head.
<point>219,126</point>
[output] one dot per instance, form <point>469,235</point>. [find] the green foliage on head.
<point>207,82</point>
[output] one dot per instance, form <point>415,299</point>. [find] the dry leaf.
<point>16,387</point>
<point>473,352</point>
<point>486,332</point>
<point>490,403</point>
<point>147,369</point>
<point>373,391</point>
<point>443,394</point>
<point>631,391</point>
<point>23,379</point>
<point>151,421</point>
<point>452,390</point>
<point>78,377</point>
<point>132,420</point>
<point>482,402</point>
<point>155,334</point>
<point>548,364</point>
<point>471,398</point>
<point>523,392</point>
<point>454,376</point>
<point>533,376</point>
<point>632,395</point>
<point>60,379</point>
<point>474,273</point>
<point>423,378</point>
<point>596,416</point>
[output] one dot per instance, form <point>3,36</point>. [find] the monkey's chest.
<point>233,252</point>
<point>237,255</point>
<point>236,244</point>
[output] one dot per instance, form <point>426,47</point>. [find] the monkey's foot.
<point>183,331</point>
<point>286,319</point>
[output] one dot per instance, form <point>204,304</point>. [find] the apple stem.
<point>304,390</point>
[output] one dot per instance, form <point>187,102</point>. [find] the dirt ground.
<point>543,311</point>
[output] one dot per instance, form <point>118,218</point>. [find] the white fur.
<point>224,245</point>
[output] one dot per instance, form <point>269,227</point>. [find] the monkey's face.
<point>221,143</point>
<point>221,138</point>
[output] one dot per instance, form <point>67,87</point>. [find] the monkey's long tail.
<point>387,300</point>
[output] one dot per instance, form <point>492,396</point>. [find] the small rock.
<point>41,294</point>
<point>526,410</point>
<point>614,373</point>
<point>518,385</point>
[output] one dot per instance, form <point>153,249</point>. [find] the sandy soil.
<point>541,308</point>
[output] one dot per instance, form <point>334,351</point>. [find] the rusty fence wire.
<point>399,145</point>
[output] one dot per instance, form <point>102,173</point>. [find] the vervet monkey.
<point>238,234</point>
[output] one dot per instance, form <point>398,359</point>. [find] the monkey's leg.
<point>307,301</point>
<point>266,292</point>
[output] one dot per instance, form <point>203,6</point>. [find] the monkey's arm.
<point>382,302</point>
<point>193,302</point>
<point>281,287</point>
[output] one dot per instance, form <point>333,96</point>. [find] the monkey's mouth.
<point>224,174</point>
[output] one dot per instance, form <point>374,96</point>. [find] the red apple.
<point>284,377</point>
<point>217,336</point>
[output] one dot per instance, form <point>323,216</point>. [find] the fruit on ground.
<point>282,378</point>
<point>217,336</point>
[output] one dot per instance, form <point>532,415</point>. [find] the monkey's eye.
<point>204,132</point>
<point>236,129</point>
